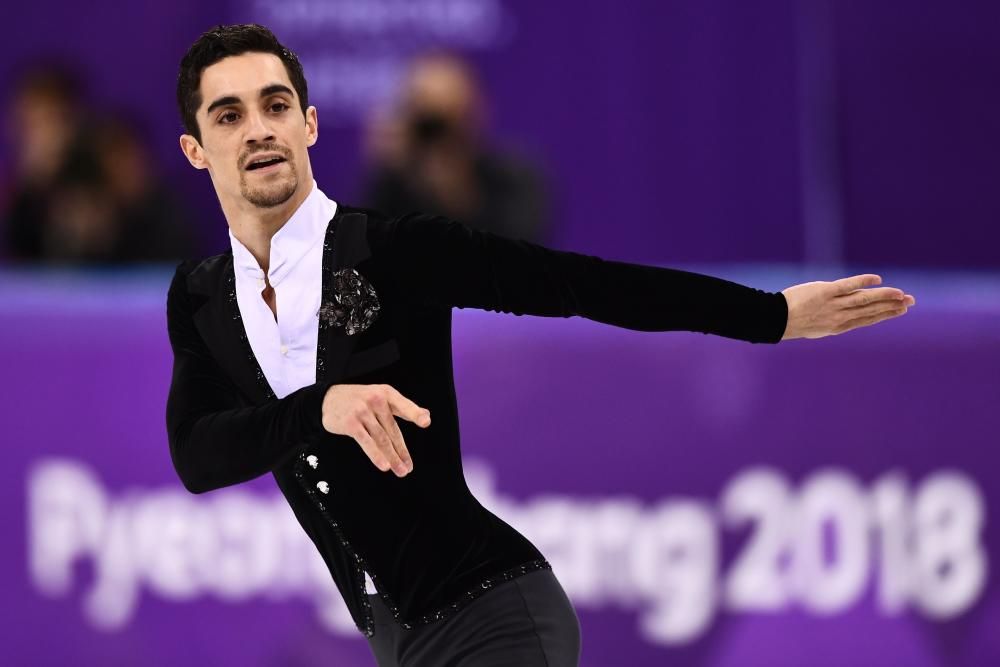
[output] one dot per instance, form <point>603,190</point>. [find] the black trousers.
<point>525,622</point>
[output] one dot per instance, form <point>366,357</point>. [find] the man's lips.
<point>273,166</point>
<point>265,162</point>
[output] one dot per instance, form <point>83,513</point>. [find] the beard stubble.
<point>269,195</point>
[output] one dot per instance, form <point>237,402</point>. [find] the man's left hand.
<point>821,308</point>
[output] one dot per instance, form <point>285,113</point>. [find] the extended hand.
<point>367,413</point>
<point>820,308</point>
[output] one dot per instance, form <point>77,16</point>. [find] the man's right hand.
<point>367,413</point>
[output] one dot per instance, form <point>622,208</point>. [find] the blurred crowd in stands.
<point>82,185</point>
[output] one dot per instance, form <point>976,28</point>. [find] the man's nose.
<point>258,129</point>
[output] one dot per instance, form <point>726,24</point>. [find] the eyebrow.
<point>266,91</point>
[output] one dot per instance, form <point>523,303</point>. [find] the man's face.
<point>249,111</point>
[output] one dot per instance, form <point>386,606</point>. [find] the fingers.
<point>848,285</point>
<point>369,446</point>
<point>365,413</point>
<point>391,428</point>
<point>873,315</point>
<point>382,453</point>
<point>865,297</point>
<point>407,409</point>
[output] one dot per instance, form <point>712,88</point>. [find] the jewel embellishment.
<point>323,486</point>
<point>312,461</point>
<point>351,305</point>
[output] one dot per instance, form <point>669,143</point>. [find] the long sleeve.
<point>215,440</point>
<point>448,263</point>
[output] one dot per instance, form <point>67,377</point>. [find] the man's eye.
<point>280,104</point>
<point>223,117</point>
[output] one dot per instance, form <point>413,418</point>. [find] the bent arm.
<point>448,263</point>
<point>215,440</point>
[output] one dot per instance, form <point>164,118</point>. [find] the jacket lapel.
<point>219,322</point>
<point>212,290</point>
<point>345,246</point>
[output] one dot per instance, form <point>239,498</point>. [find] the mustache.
<point>264,148</point>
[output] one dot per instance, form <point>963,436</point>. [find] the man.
<point>295,352</point>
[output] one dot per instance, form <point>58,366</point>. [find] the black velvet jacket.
<point>427,543</point>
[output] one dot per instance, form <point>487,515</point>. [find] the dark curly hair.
<point>221,42</point>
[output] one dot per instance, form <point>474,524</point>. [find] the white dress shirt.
<point>286,348</point>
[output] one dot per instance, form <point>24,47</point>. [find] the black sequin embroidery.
<point>350,304</point>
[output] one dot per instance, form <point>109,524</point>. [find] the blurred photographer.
<point>428,154</point>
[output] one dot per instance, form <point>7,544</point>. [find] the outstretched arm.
<point>445,262</point>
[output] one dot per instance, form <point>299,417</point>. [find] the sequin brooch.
<point>352,304</point>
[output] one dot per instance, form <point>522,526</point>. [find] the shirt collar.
<point>302,231</point>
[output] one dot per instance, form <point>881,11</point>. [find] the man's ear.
<point>193,152</point>
<point>312,126</point>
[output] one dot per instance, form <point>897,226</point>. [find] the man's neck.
<point>254,227</point>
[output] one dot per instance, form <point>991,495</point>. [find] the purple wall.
<point>670,131</point>
<point>919,130</point>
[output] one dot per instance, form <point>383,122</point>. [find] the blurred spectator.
<point>429,155</point>
<point>84,188</point>
<point>77,221</point>
<point>42,125</point>
<point>151,224</point>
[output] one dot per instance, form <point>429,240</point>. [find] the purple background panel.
<point>717,131</point>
